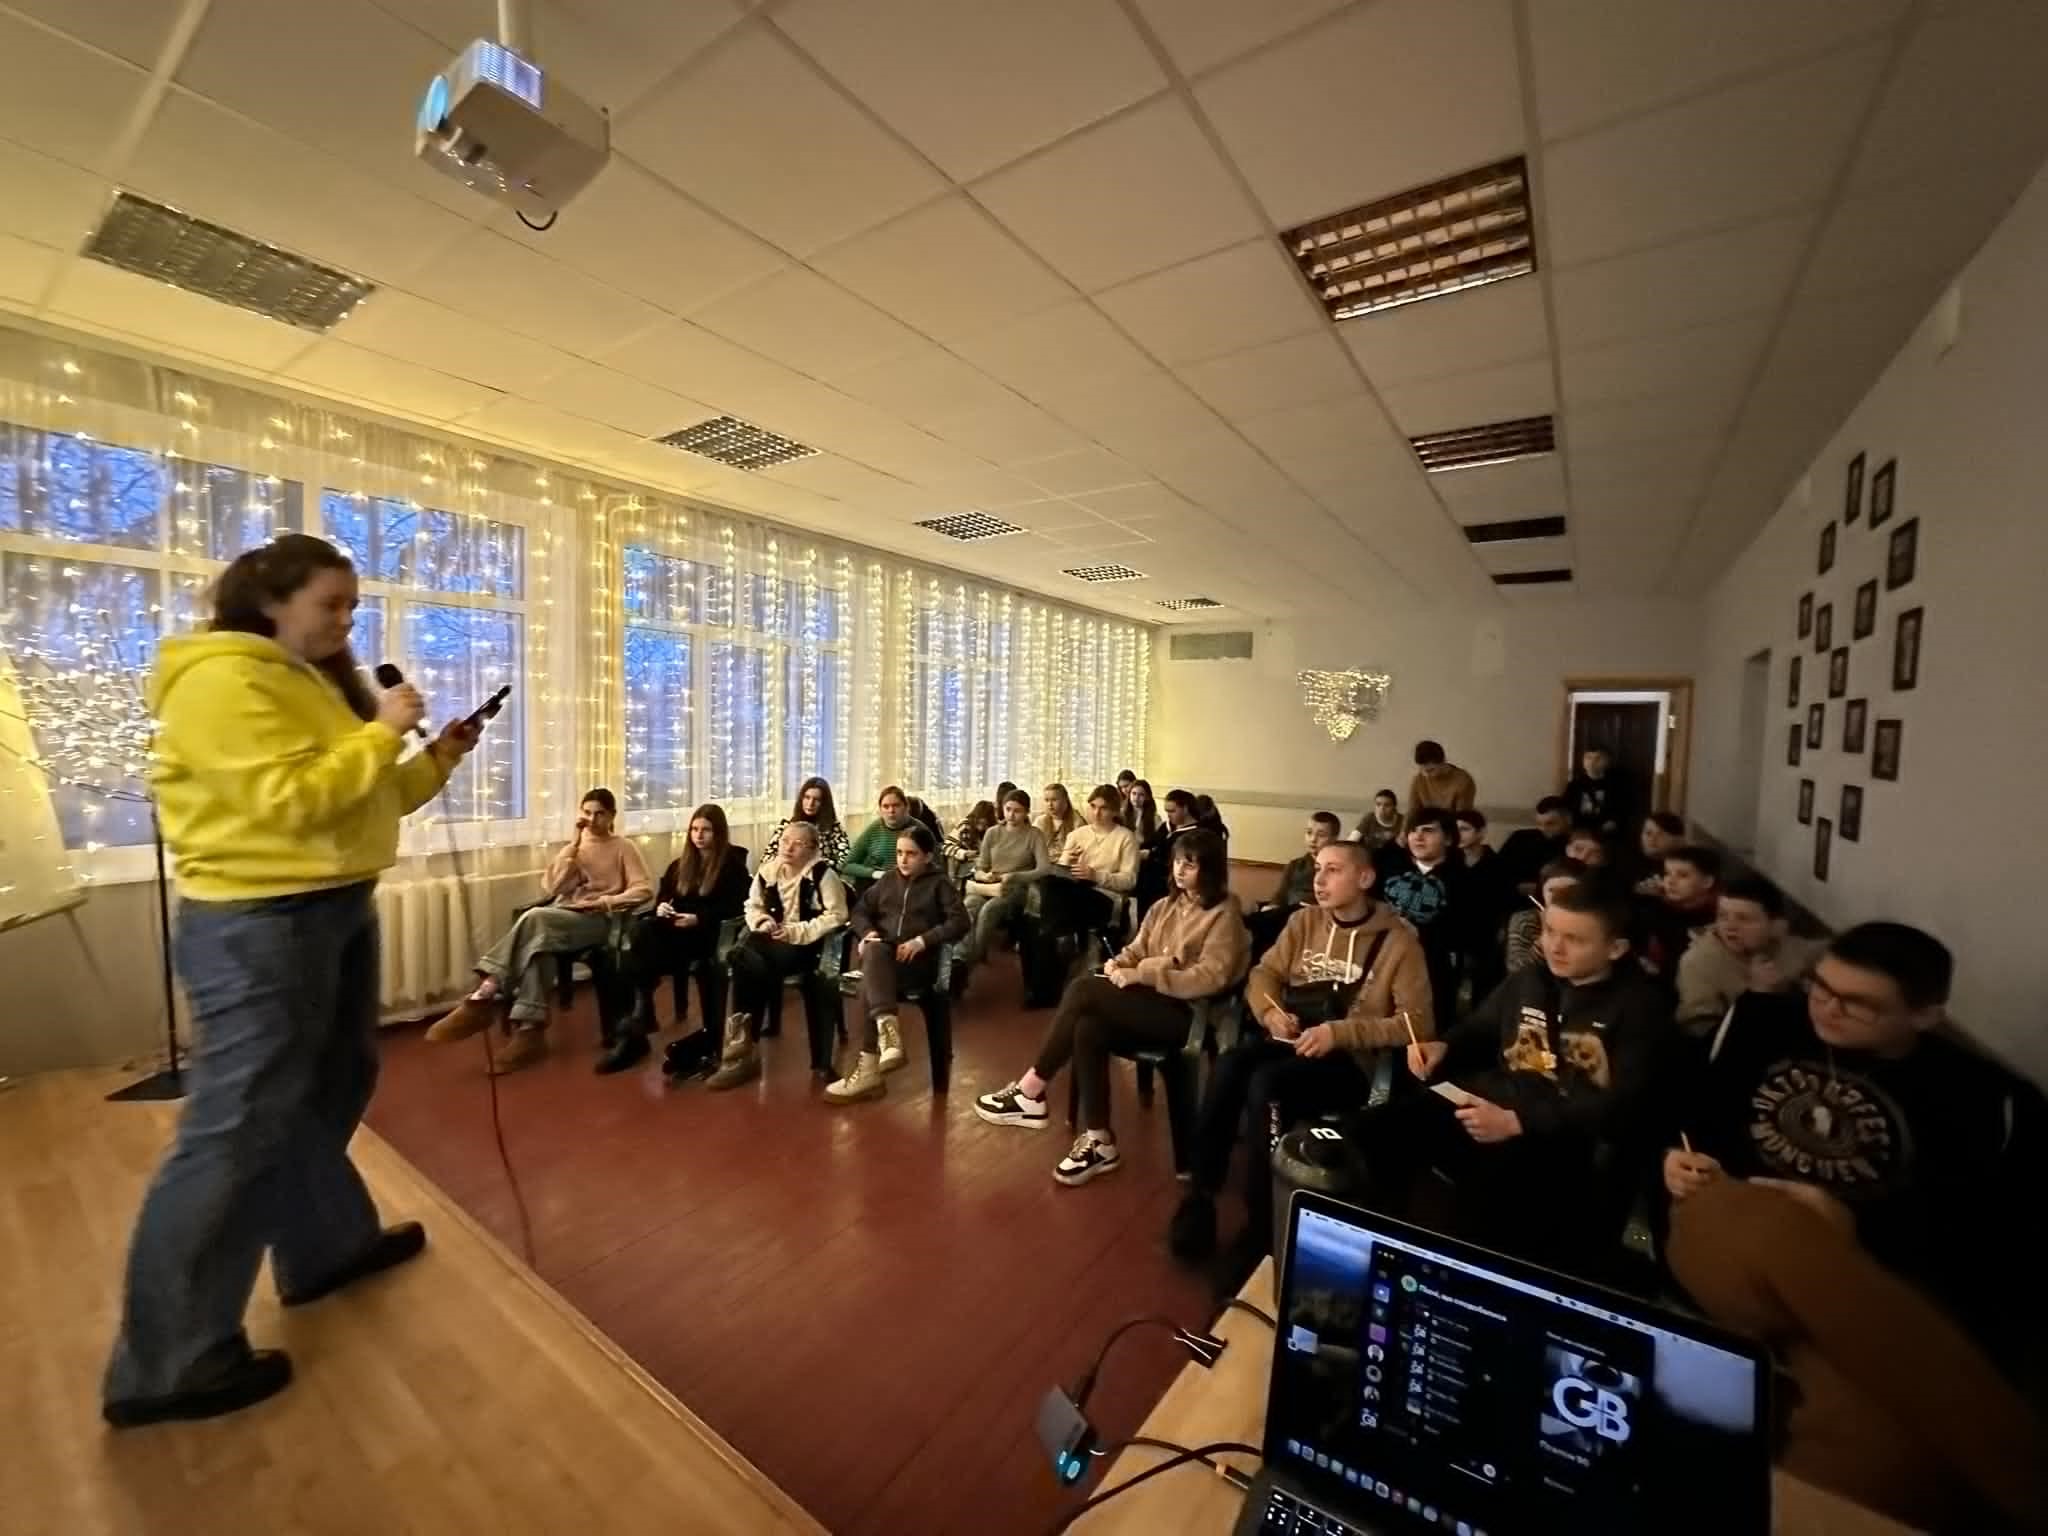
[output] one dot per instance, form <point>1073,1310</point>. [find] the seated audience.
<point>1190,946</point>
<point>920,811</point>
<point>594,877</point>
<point>1663,834</point>
<point>1525,928</point>
<point>899,924</point>
<point>1384,824</point>
<point>1141,812</point>
<point>1345,981</point>
<point>699,893</point>
<point>1587,846</point>
<point>1097,864</point>
<point>1487,896</point>
<point>1685,906</point>
<point>1542,1076</point>
<point>1438,785</point>
<point>1297,883</point>
<point>1155,868</point>
<point>1124,780</point>
<point>1011,856</point>
<point>1209,818</point>
<point>795,907</point>
<point>1427,887</point>
<point>963,843</point>
<point>813,806</point>
<point>1863,1193</point>
<point>1748,949</point>
<point>1597,797</point>
<point>1529,849</point>
<point>1057,819</point>
<point>874,846</point>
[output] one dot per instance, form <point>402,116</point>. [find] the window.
<point>663,598</point>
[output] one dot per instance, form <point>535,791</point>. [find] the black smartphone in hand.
<point>475,719</point>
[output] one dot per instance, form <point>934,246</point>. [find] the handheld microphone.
<point>388,676</point>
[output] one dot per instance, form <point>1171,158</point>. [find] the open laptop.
<point>1421,1384</point>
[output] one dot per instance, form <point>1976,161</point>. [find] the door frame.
<point>1678,750</point>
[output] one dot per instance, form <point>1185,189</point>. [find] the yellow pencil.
<point>1685,1141</point>
<point>1412,1039</point>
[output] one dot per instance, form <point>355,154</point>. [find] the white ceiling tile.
<point>1088,469</point>
<point>1968,84</point>
<point>811,324</point>
<point>1496,492</point>
<point>635,233</point>
<point>946,269</point>
<point>218,166</point>
<point>754,131</point>
<point>405,326</point>
<point>1054,349</point>
<point>700,366</point>
<point>663,467</point>
<point>987,487</point>
<point>1297,371</point>
<point>60,98</point>
<point>1651,419</point>
<point>1677,461</point>
<point>630,404</point>
<point>1128,197</point>
<point>1404,524</point>
<point>1330,440</point>
<point>155,311</point>
<point>1698,368</point>
<point>1660,500</point>
<point>829,475</point>
<point>1008,433</point>
<point>1688,283</point>
<point>48,201</point>
<point>1147,504</point>
<point>929,386</point>
<point>488,275</point>
<point>1216,304</point>
<point>1014,77</point>
<point>136,30</point>
<point>337,368</point>
<point>1949,215</point>
<point>1765,147</point>
<point>1201,34</point>
<point>1589,70</point>
<point>25,270</point>
<point>541,430</point>
<point>1511,555</point>
<point>1383,97</point>
<point>1479,328</point>
<point>1471,399</point>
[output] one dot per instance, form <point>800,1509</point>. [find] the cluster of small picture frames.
<point>1885,739</point>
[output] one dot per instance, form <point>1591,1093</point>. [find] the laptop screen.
<point>1428,1385</point>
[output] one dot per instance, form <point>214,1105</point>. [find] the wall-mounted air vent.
<point>1186,604</point>
<point>1517,528</point>
<point>1219,645</point>
<point>1458,233</point>
<point>737,444</point>
<point>1498,442</point>
<point>154,241</point>
<point>1532,578</point>
<point>968,527</point>
<point>1103,573</point>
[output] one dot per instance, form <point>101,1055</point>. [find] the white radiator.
<point>434,929</point>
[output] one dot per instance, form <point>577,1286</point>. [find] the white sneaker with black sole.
<point>891,1038</point>
<point>1089,1157</point>
<point>1010,1105</point>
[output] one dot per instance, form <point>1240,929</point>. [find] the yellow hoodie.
<point>267,783</point>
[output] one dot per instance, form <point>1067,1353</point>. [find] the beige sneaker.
<point>738,1037</point>
<point>863,1082</point>
<point>741,1061</point>
<point>529,1043</point>
<point>471,1016</point>
<point>892,1042</point>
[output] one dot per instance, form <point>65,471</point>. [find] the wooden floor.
<point>454,1395</point>
<point>866,1303</point>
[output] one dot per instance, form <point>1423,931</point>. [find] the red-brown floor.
<point>868,1303</point>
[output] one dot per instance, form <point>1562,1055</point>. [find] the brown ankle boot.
<point>529,1043</point>
<point>471,1016</point>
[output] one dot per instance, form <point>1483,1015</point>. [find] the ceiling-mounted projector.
<point>497,123</point>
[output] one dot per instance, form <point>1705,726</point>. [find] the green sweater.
<point>873,850</point>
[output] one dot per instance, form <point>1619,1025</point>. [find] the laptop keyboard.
<point>1288,1516</point>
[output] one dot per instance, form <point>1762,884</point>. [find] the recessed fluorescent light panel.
<point>737,444</point>
<point>1186,604</point>
<point>969,527</point>
<point>1532,578</point>
<point>1462,232</point>
<point>1499,442</point>
<point>1519,528</point>
<point>1103,573</point>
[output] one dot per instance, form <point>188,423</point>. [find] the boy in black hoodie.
<point>1426,883</point>
<point>1556,1064</point>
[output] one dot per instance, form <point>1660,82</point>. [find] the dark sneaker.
<point>1089,1156</point>
<point>262,1373</point>
<point>628,1050</point>
<point>393,1246</point>
<point>1010,1106</point>
<point>1191,1236</point>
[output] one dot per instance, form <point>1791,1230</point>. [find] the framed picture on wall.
<point>1816,724</point>
<point>1852,497</point>
<point>1864,622</point>
<point>1806,802</point>
<point>1805,614</point>
<point>1824,629</point>
<point>1852,813</point>
<point>1855,719</point>
<point>1902,555</point>
<point>1792,684</point>
<point>1838,672</point>
<point>1906,652</point>
<point>1793,738</point>
<point>1883,485</point>
<point>1827,549</point>
<point>1823,843</point>
<point>1886,743</point>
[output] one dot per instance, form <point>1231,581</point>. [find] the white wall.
<point>1486,683</point>
<point>1956,844</point>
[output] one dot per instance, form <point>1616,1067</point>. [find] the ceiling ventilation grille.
<point>1187,604</point>
<point>157,242</point>
<point>1218,645</point>
<point>1519,528</point>
<point>1499,442</point>
<point>1532,578</point>
<point>737,444</point>
<point>1103,573</point>
<point>967,527</point>
<point>1458,233</point>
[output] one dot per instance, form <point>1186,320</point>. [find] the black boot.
<point>258,1374</point>
<point>392,1247</point>
<point>1191,1237</point>
<point>629,1049</point>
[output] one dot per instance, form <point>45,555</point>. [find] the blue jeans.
<point>284,1008</point>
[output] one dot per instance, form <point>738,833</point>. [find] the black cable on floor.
<point>1182,1456</point>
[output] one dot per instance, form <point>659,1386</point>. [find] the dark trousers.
<point>660,949</point>
<point>1264,926</point>
<point>1264,1087</point>
<point>1098,1019</point>
<point>884,979</point>
<point>1065,907</point>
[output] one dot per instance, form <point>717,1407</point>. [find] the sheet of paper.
<point>1454,1093</point>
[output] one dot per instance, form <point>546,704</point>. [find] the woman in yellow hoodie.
<point>278,782</point>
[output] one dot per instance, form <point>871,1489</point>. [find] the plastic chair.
<point>935,1002</point>
<point>1218,1018</point>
